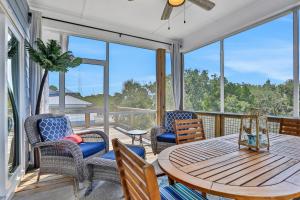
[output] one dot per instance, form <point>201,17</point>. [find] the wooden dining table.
<point>217,166</point>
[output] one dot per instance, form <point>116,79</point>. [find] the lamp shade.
<point>176,2</point>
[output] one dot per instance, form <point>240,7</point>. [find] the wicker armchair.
<point>62,157</point>
<point>164,137</point>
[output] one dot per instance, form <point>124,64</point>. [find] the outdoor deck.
<point>55,187</point>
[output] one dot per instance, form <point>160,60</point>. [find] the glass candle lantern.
<point>254,132</point>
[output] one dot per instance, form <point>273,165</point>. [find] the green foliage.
<point>170,104</point>
<point>201,91</point>
<point>53,87</point>
<point>203,94</point>
<point>50,56</point>
<point>136,95</point>
<point>13,45</point>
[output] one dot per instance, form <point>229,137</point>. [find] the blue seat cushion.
<point>91,148</point>
<point>169,137</point>
<point>140,151</point>
<point>53,128</point>
<point>179,192</point>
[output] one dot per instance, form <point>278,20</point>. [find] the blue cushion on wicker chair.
<point>171,116</point>
<point>91,148</point>
<point>179,192</point>
<point>54,128</point>
<point>169,137</point>
<point>140,151</point>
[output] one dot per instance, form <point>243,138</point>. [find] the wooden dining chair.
<point>189,130</point>
<point>139,181</point>
<point>290,127</point>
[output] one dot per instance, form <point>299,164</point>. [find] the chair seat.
<point>169,137</point>
<point>179,192</point>
<point>91,148</point>
<point>140,151</point>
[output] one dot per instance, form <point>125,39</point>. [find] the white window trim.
<point>296,62</point>
<point>101,63</point>
<point>8,184</point>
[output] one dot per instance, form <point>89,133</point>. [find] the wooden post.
<point>222,125</point>
<point>160,85</point>
<point>87,120</point>
<point>217,125</point>
<point>131,119</point>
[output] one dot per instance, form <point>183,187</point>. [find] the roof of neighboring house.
<point>69,100</point>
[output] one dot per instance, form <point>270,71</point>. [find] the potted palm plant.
<point>51,58</point>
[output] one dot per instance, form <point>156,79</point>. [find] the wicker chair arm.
<point>64,148</point>
<point>155,131</point>
<point>94,136</point>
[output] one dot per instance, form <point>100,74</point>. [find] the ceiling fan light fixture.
<point>176,3</point>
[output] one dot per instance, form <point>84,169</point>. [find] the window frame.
<point>295,12</point>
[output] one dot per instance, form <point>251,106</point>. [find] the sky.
<point>254,56</point>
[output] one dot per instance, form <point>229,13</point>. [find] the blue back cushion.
<point>54,128</point>
<point>171,116</point>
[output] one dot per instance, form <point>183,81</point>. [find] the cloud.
<point>273,63</point>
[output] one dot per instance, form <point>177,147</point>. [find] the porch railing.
<point>220,124</point>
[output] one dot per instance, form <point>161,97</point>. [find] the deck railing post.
<point>222,125</point>
<point>87,117</point>
<point>217,125</point>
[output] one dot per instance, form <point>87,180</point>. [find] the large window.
<point>202,79</point>
<point>259,69</point>
<point>84,85</point>
<point>132,87</point>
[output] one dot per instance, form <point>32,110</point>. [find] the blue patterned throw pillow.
<point>54,128</point>
<point>171,116</point>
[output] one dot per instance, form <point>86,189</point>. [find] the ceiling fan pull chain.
<point>184,20</point>
<point>169,28</point>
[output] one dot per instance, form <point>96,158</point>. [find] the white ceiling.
<point>142,17</point>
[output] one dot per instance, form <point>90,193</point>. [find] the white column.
<point>3,105</point>
<point>222,98</point>
<point>106,91</point>
<point>64,46</point>
<point>296,63</point>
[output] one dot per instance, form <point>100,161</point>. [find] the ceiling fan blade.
<point>205,4</point>
<point>167,12</point>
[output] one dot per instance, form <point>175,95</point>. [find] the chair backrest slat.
<point>290,127</point>
<point>138,178</point>
<point>189,130</point>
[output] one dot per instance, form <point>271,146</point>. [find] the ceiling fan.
<point>205,4</point>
